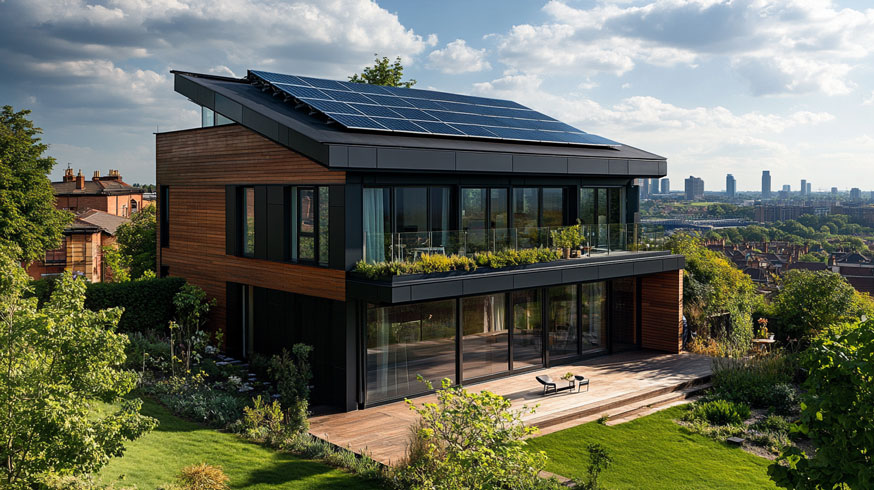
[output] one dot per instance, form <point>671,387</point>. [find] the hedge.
<point>147,303</point>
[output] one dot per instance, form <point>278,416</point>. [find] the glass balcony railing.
<point>572,241</point>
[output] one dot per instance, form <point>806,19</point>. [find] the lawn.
<point>157,457</point>
<point>653,452</point>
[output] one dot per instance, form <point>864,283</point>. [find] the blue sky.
<point>715,86</point>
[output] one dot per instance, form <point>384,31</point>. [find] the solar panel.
<point>381,108</point>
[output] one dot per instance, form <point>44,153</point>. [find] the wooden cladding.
<point>662,311</point>
<point>233,154</point>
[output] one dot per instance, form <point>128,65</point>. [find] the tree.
<point>472,441</point>
<point>192,307</point>
<point>836,413</point>
<point>135,253</point>
<point>811,301</point>
<point>28,217</point>
<point>292,374</point>
<point>56,362</point>
<point>383,72</point>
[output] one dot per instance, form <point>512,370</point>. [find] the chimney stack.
<point>68,175</point>
<point>96,175</point>
<point>80,180</point>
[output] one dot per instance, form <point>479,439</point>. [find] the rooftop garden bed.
<point>428,264</point>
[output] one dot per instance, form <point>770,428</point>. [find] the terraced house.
<point>291,182</point>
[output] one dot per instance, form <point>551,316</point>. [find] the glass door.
<point>562,321</point>
<point>527,329</point>
<point>485,347</point>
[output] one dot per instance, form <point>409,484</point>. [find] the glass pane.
<point>594,316</point>
<point>441,218</point>
<point>527,339</point>
<point>377,224</point>
<point>602,222</point>
<point>499,219</point>
<point>207,117</point>
<point>587,206</point>
<point>526,210</point>
<point>614,195</point>
<point>484,343</point>
<point>249,221</point>
<point>411,219</point>
<point>562,320</point>
<point>473,218</point>
<point>306,225</point>
<point>622,314</point>
<point>553,207</point>
<point>293,219</point>
<point>406,341</point>
<point>222,120</point>
<point>324,242</point>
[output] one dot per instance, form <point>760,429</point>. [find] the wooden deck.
<point>383,431</point>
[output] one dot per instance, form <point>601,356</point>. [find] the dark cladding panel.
<point>540,164</point>
<point>260,123</point>
<point>362,157</point>
<point>228,108</point>
<point>276,223</point>
<point>232,210</point>
<point>587,166</point>
<point>468,161</point>
<point>611,271</point>
<point>647,267</point>
<point>338,156</point>
<point>261,222</point>
<point>403,158</point>
<point>643,168</point>
<point>196,92</point>
<point>618,167</point>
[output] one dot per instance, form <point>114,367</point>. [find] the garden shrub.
<point>753,381</point>
<point>203,477</point>
<point>783,399</point>
<point>773,441</point>
<point>263,422</point>
<point>148,303</point>
<point>599,460</point>
<point>194,399</point>
<point>772,423</point>
<point>146,351</point>
<point>720,412</point>
<point>291,373</point>
<point>41,289</point>
<point>428,264</point>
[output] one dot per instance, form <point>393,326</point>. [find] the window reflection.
<point>562,320</point>
<point>484,341</point>
<point>594,316</point>
<point>527,340</point>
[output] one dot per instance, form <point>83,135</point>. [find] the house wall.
<point>196,165</point>
<point>662,311</point>
<point>118,205</point>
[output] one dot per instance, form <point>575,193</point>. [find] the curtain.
<point>374,225</point>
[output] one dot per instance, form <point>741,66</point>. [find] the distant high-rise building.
<point>644,188</point>
<point>809,189</point>
<point>834,191</point>
<point>654,186</point>
<point>694,188</point>
<point>855,194</point>
<point>787,188</point>
<point>666,186</point>
<point>803,189</point>
<point>766,184</point>
<point>730,185</point>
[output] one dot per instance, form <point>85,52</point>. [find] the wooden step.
<point>653,405</point>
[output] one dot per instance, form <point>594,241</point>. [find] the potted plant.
<point>567,238</point>
<point>763,329</point>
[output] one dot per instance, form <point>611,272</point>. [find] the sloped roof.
<point>95,187</point>
<point>808,266</point>
<point>93,219</point>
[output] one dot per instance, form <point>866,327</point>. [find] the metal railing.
<point>592,240</point>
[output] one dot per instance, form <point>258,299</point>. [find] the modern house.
<point>292,181</point>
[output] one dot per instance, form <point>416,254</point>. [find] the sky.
<point>716,86</point>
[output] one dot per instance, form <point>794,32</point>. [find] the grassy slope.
<point>157,457</point>
<point>653,452</point>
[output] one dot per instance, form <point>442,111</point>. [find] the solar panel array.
<point>379,108</point>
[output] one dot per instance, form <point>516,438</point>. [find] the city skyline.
<point>784,87</point>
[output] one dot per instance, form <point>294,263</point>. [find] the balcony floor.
<point>383,431</point>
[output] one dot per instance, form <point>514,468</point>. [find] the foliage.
<point>719,412</point>
<point>263,422</point>
<point>203,477</point>
<point>654,453</point>
<point>28,218</point>
<point>473,441</point>
<point>55,481</point>
<point>135,251</point>
<point>191,306</point>
<point>148,303</point>
<point>836,413</point>
<point>761,382</point>
<point>428,264</point>
<point>599,460</point>
<point>712,285</point>
<point>193,398</point>
<point>57,362</point>
<point>147,351</point>
<point>156,458</point>
<point>292,374</point>
<point>568,236</point>
<point>810,301</point>
<point>772,423</point>
<point>383,72</point>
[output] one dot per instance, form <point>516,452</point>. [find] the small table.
<point>764,345</point>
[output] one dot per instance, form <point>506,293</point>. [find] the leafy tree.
<point>836,414</point>
<point>56,362</point>
<point>28,217</point>
<point>292,375</point>
<point>713,285</point>
<point>472,441</point>
<point>383,72</point>
<point>811,301</point>
<point>135,253</point>
<point>192,306</point>
<point>599,460</point>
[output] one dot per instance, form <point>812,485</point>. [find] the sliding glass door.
<point>562,321</point>
<point>485,336</point>
<point>527,329</point>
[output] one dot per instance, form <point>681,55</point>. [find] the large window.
<point>594,316</point>
<point>604,209</point>
<point>562,318</point>
<point>248,228</point>
<point>377,224</point>
<point>406,341</point>
<point>311,224</point>
<point>421,218</point>
<point>527,332</point>
<point>473,218</point>
<point>485,341</point>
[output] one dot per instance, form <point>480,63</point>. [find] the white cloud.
<point>780,47</point>
<point>869,100</point>
<point>458,57</point>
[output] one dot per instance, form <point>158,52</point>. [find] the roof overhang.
<point>339,149</point>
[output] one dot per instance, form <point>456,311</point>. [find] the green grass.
<point>654,452</point>
<point>156,458</point>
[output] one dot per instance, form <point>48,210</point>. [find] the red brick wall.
<point>118,205</point>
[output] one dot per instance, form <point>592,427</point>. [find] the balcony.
<point>570,242</point>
